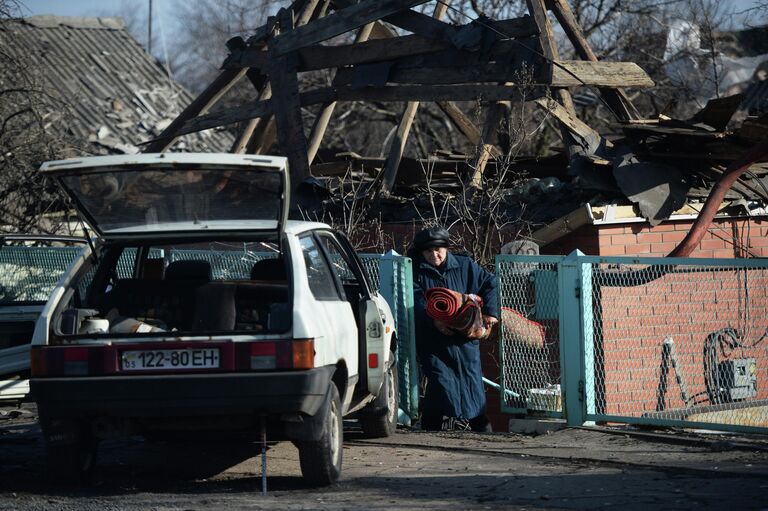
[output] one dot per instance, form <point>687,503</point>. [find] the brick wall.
<point>644,240</point>
<point>687,308</point>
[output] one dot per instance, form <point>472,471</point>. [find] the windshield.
<point>183,198</point>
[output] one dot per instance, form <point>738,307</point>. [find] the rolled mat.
<point>462,312</point>
<point>458,311</point>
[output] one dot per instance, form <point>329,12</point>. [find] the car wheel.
<point>321,459</point>
<point>379,419</point>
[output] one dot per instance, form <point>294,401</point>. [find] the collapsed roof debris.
<point>658,164</point>
<point>119,95</point>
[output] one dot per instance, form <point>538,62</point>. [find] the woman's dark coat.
<point>451,363</point>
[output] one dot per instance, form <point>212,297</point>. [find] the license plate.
<point>144,360</point>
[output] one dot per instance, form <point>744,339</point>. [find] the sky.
<point>165,7</point>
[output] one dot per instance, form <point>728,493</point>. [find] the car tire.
<point>379,418</point>
<point>321,459</point>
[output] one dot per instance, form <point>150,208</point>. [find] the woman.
<point>450,361</point>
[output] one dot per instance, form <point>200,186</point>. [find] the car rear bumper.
<point>184,395</point>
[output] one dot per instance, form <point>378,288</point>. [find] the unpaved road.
<point>570,469</point>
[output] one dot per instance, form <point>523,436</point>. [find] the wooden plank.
<point>283,76</point>
<point>326,111</point>
<point>432,28</point>
<point>479,92</point>
<point>264,137</point>
<point>323,56</point>
<point>602,74</point>
<point>242,143</point>
<point>220,85</point>
<point>546,41</point>
<point>319,57</point>
<point>339,22</point>
<point>461,121</point>
<point>617,100</point>
<point>494,113</point>
<point>663,130</point>
<point>589,137</point>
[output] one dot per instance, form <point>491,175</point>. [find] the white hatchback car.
<point>201,307</point>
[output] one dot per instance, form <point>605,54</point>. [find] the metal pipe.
<point>716,196</point>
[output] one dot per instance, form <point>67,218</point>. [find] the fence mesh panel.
<point>225,264</point>
<point>680,342</point>
<point>371,266</point>
<point>530,365</point>
<point>29,274</point>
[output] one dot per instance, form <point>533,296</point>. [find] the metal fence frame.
<point>577,337</point>
<point>394,275</point>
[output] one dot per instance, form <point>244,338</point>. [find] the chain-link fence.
<point>681,342</point>
<point>529,343</point>
<point>29,274</point>
<point>669,342</point>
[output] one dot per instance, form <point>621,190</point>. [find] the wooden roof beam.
<point>209,97</point>
<point>399,141</point>
<point>337,23</point>
<point>385,94</point>
<point>617,99</point>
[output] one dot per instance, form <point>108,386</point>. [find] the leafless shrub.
<point>486,213</point>
<point>350,210</point>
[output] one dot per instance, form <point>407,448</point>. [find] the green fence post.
<point>571,357</point>
<point>588,337</point>
<point>396,286</point>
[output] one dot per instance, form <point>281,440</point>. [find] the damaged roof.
<point>120,95</point>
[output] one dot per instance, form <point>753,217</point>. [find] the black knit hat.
<point>431,237</point>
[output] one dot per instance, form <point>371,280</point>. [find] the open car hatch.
<point>167,193</point>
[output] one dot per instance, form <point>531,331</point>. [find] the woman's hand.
<point>490,321</point>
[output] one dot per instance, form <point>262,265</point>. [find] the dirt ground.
<point>570,469</point>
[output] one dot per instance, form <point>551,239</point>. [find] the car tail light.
<point>293,354</point>
<point>66,361</point>
<point>303,354</point>
<point>373,360</point>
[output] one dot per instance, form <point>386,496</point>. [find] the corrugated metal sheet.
<point>119,94</point>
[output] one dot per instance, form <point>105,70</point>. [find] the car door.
<point>370,338</point>
<point>335,317</point>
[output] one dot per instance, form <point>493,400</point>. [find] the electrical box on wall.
<point>738,378</point>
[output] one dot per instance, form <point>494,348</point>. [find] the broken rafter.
<point>326,111</point>
<point>616,99</point>
<point>339,22</point>
<point>226,79</point>
<point>588,138</point>
<point>397,146</point>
